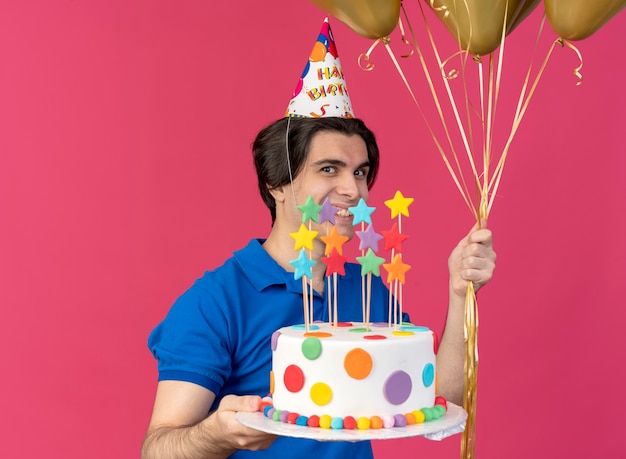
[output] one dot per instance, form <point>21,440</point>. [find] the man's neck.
<point>280,246</point>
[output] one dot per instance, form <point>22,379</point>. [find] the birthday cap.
<point>321,90</point>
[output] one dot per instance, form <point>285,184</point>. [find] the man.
<point>213,347</point>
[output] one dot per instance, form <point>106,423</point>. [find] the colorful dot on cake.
<point>358,330</point>
<point>414,328</point>
<point>397,387</point>
<point>374,337</point>
<point>376,422</point>
<point>302,421</point>
<point>440,410</point>
<point>358,363</point>
<point>293,378</point>
<point>311,347</point>
<point>388,421</point>
<point>318,334</point>
<point>400,420</point>
<point>336,423</point>
<point>303,327</point>
<point>313,421</point>
<point>410,419</point>
<point>283,416</point>
<point>419,416</point>
<point>428,374</point>
<point>325,421</point>
<point>402,333</point>
<point>435,343</point>
<point>349,423</point>
<point>292,418</point>
<point>274,340</point>
<point>321,394</point>
<point>272,383</point>
<point>276,415</point>
<point>363,423</point>
<point>440,400</point>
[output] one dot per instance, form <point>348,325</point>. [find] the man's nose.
<point>348,186</point>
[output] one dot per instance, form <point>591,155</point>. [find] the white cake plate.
<point>451,423</point>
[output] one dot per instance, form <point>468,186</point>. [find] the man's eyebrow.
<point>337,162</point>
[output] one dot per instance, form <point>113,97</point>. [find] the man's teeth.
<point>344,213</point>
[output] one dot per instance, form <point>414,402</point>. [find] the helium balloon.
<point>477,24</point>
<point>578,19</point>
<point>369,18</point>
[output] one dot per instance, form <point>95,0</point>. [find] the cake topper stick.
<point>327,215</point>
<point>304,240</point>
<point>370,264</point>
<point>334,265</point>
<point>362,214</point>
<point>399,206</point>
<point>334,247</point>
<point>303,265</point>
<point>310,213</point>
<point>395,278</point>
<point>305,304</point>
<point>393,241</point>
<point>369,240</point>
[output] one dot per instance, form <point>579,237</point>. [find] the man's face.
<point>336,168</point>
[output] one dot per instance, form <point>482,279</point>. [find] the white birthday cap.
<point>321,90</point>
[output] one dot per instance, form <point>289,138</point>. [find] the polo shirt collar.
<point>262,270</point>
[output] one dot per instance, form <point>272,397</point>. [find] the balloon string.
<point>470,329</point>
<point>453,105</point>
<point>470,371</point>
<point>494,80</point>
<point>460,183</point>
<point>576,71</point>
<point>404,39</point>
<point>522,106</point>
<point>438,9</point>
<point>428,125</point>
<point>364,58</point>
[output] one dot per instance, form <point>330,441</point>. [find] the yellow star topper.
<point>303,237</point>
<point>399,205</point>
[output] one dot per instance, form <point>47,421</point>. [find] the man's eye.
<point>360,173</point>
<point>328,169</point>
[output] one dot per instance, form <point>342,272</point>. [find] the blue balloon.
<point>323,39</point>
<point>306,69</point>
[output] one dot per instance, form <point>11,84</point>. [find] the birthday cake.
<point>354,376</point>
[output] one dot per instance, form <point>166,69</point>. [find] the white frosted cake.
<point>352,377</point>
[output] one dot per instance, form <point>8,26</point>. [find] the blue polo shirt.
<point>217,334</point>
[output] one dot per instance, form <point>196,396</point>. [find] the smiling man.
<point>213,348</point>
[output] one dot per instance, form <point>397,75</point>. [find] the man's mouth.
<point>344,213</point>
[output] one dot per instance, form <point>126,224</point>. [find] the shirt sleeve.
<point>191,343</point>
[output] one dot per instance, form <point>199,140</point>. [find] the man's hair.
<point>270,153</point>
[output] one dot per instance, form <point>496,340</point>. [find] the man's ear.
<point>277,193</point>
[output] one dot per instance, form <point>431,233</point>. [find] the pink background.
<point>125,172</point>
